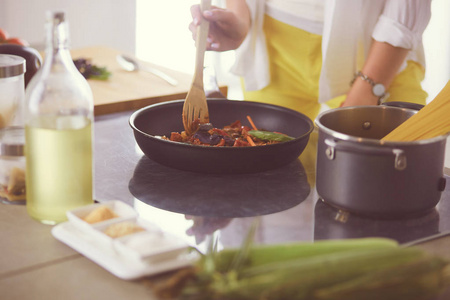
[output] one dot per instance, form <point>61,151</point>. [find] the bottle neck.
<point>57,33</point>
<point>59,90</point>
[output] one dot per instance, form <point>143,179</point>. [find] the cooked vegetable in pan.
<point>233,135</point>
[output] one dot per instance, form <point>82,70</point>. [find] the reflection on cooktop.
<point>332,223</point>
<point>216,195</point>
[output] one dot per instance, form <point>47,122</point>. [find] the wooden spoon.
<point>195,106</point>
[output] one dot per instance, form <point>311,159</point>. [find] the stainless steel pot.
<point>359,173</point>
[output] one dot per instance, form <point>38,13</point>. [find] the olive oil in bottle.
<point>58,131</point>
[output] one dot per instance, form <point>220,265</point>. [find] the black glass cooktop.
<point>194,205</point>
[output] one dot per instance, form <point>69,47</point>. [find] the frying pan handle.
<point>333,146</point>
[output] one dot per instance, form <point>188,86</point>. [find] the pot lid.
<point>11,65</point>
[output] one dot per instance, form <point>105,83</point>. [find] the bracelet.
<point>378,89</point>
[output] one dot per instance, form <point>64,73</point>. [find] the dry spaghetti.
<point>431,121</point>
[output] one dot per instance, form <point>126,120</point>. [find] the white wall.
<point>163,37</point>
<point>92,22</point>
<point>3,10</point>
<point>436,40</point>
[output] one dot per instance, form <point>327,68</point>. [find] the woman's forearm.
<point>240,8</point>
<point>382,65</point>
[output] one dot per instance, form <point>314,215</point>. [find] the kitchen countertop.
<point>126,90</point>
<point>35,265</point>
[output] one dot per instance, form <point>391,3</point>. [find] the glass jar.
<point>12,90</point>
<point>12,165</point>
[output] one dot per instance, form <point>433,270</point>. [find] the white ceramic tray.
<point>124,256</point>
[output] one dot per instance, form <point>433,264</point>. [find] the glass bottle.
<point>58,131</point>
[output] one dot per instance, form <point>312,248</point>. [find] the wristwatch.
<point>378,89</point>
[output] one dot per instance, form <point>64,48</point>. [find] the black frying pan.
<point>164,118</point>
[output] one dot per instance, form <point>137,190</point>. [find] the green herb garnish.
<point>270,136</point>
<point>91,71</point>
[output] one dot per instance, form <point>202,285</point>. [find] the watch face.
<point>378,90</point>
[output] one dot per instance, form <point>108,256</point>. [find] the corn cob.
<point>261,255</point>
<point>421,279</point>
<point>297,278</point>
<point>370,268</point>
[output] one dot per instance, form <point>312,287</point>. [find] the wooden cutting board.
<point>126,90</point>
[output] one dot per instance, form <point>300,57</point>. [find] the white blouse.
<point>303,14</point>
<point>348,29</point>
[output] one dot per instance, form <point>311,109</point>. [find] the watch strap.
<point>378,89</point>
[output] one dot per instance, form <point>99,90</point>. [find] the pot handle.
<point>400,104</point>
<point>333,146</point>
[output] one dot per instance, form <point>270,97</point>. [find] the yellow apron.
<point>295,61</point>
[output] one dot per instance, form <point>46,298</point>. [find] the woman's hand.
<point>228,27</point>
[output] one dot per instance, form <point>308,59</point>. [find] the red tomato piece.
<point>3,35</point>
<point>221,143</point>
<point>219,131</point>
<point>17,41</point>
<point>176,137</point>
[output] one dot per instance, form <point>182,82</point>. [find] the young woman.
<point>302,53</point>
